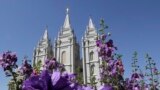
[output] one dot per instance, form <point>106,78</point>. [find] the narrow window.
<point>92,69</point>
<point>91,56</point>
<point>63,57</point>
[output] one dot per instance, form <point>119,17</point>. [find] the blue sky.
<point>134,24</point>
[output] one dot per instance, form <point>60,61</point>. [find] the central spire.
<point>91,25</point>
<point>45,36</point>
<point>67,20</point>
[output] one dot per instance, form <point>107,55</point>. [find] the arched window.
<point>63,59</point>
<point>92,69</point>
<point>91,56</point>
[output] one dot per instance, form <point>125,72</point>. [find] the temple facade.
<point>66,49</point>
<point>89,54</point>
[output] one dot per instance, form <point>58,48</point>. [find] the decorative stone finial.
<point>67,10</point>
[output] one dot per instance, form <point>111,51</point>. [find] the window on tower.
<point>92,69</point>
<point>91,55</point>
<point>63,59</point>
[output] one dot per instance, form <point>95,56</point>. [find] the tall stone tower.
<point>66,48</point>
<point>89,53</point>
<point>43,50</point>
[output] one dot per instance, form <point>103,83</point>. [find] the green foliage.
<point>93,81</point>
<point>135,67</point>
<point>103,26</point>
<point>153,72</point>
<point>79,76</point>
<point>38,66</point>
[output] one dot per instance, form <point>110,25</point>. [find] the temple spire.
<point>67,20</point>
<point>45,36</point>
<point>91,25</point>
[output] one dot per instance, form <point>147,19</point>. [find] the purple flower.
<point>136,87</point>
<point>103,37</point>
<point>34,82</point>
<point>87,88</point>
<point>114,71</point>
<point>65,74</point>
<point>69,76</point>
<point>135,76</point>
<point>26,69</point>
<point>155,70</point>
<point>98,43</point>
<point>8,62</point>
<point>51,64</point>
<point>110,43</point>
<point>106,87</point>
<point>40,82</point>
<point>109,53</point>
<point>59,82</point>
